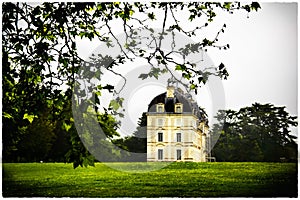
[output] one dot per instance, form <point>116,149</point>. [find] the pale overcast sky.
<point>263,58</point>
<point>261,61</point>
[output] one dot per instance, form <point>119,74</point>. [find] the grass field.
<point>175,180</point>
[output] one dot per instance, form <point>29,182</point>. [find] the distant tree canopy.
<point>260,132</point>
<point>40,57</point>
<point>137,142</point>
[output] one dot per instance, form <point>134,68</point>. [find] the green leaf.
<point>114,104</point>
<point>67,126</point>
<point>151,30</point>
<point>203,7</point>
<point>126,46</point>
<point>227,5</point>
<point>151,16</point>
<point>221,66</point>
<point>247,8</point>
<point>255,6</point>
<point>6,115</point>
<point>193,86</point>
<point>37,80</point>
<point>143,76</point>
<point>186,75</point>
<point>180,67</point>
<point>30,118</point>
<point>98,93</point>
<point>120,101</point>
<point>192,17</point>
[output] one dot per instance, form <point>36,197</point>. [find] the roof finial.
<point>171,81</point>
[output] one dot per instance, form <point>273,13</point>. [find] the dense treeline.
<point>260,132</point>
<point>136,143</point>
<point>48,140</point>
<point>35,140</point>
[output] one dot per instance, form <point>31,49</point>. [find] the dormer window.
<point>178,108</point>
<point>160,108</point>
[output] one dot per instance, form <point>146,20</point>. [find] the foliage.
<point>176,180</point>
<point>137,142</point>
<point>61,145</point>
<point>257,133</point>
<point>45,139</point>
<point>40,58</point>
<point>36,140</point>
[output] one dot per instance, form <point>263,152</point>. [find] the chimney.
<point>170,91</point>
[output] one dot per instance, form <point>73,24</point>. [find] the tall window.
<point>178,154</point>
<point>178,137</point>
<point>160,154</point>
<point>160,137</point>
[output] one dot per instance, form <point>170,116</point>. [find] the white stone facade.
<point>175,136</point>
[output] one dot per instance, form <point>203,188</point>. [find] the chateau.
<point>176,129</point>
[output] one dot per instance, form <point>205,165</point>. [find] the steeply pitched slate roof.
<point>188,105</point>
<point>170,102</point>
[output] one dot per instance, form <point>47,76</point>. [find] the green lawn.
<point>175,180</point>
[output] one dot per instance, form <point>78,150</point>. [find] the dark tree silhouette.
<point>260,132</point>
<point>41,61</point>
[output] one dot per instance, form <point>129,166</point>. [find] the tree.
<point>137,142</point>
<point>36,140</point>
<point>61,145</point>
<point>41,62</point>
<point>257,133</point>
